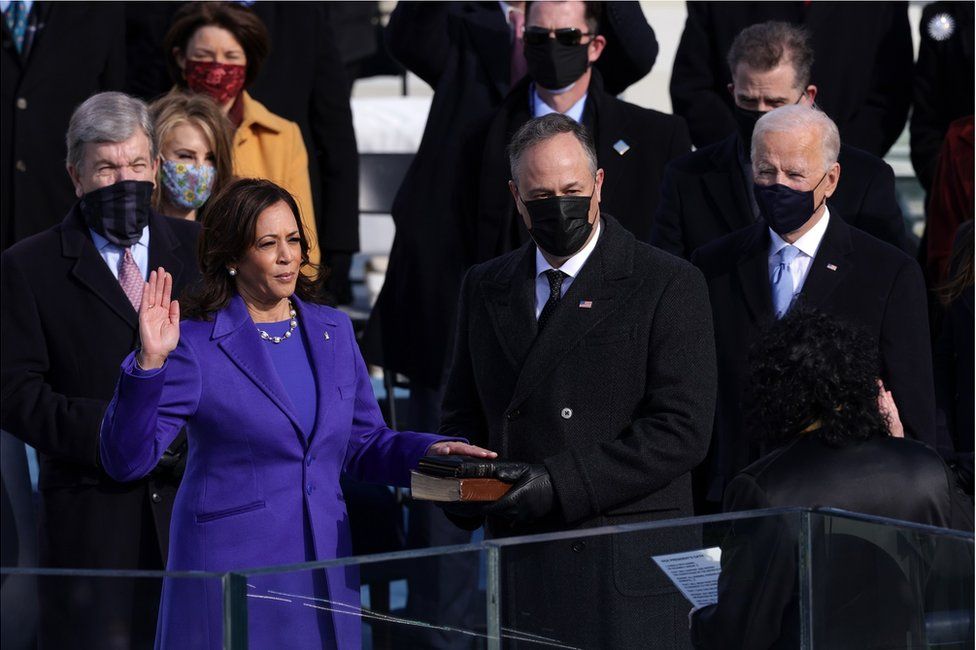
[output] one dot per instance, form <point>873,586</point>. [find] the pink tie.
<point>518,68</point>
<point>130,277</point>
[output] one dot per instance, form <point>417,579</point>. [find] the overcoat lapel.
<point>491,37</point>
<point>322,337</point>
<point>830,265</point>
<point>510,302</point>
<point>164,248</point>
<point>753,274</point>
<point>90,269</point>
<point>238,339</point>
<point>606,280</point>
<point>727,191</point>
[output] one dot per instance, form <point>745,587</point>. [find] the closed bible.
<point>434,488</point>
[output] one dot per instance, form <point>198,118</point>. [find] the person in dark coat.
<point>68,322</point>
<point>588,356</point>
<point>813,394</point>
<point>64,53</point>
<point>803,251</point>
<point>708,193</point>
<point>633,143</point>
<point>943,81</point>
<point>863,58</point>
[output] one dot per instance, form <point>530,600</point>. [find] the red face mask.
<point>222,81</point>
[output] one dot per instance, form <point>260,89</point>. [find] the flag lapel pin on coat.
<point>585,304</point>
<point>832,267</point>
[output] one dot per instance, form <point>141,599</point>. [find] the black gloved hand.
<point>531,496</point>
<point>466,515</point>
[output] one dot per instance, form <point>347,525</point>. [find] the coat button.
<point>20,166</point>
<point>21,103</point>
<point>308,489</point>
<point>566,413</point>
<point>514,415</point>
<point>155,497</point>
<point>578,546</point>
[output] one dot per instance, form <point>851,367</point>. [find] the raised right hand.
<point>159,320</point>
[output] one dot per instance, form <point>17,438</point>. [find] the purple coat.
<point>258,490</point>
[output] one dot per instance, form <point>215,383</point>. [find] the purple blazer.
<point>258,490</point>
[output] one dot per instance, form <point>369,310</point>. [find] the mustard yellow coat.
<point>269,146</point>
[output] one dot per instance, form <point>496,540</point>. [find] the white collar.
<point>540,108</point>
<point>572,266</point>
<point>808,244</point>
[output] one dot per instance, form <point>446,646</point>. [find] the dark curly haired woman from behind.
<point>814,394</point>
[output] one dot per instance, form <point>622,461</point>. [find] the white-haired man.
<point>69,316</point>
<point>801,251</point>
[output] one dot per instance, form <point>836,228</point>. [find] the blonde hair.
<point>175,108</point>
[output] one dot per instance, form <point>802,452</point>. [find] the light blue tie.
<point>16,17</point>
<point>782,280</point>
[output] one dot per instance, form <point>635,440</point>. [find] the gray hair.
<point>796,118</point>
<point>107,117</point>
<point>540,129</point>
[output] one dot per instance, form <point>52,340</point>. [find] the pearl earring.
<point>232,272</point>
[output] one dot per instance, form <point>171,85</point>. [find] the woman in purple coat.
<point>277,403</point>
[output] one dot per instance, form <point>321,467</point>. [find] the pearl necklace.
<point>287,335</point>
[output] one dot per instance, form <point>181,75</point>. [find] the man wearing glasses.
<point>562,42</point>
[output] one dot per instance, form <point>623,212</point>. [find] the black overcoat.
<point>853,276</point>
<point>66,326</point>
<point>704,196</point>
<point>615,398</point>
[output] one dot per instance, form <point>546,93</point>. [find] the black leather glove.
<point>531,496</point>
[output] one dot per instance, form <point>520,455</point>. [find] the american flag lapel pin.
<point>585,304</point>
<point>832,267</point>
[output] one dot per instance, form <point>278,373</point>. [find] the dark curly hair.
<point>813,372</point>
<point>229,223</point>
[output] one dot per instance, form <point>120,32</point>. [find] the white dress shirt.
<point>808,245</point>
<point>570,267</point>
<point>112,253</point>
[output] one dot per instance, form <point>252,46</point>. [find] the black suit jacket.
<point>862,66</point>
<point>871,284</point>
<point>632,180</point>
<point>704,196</point>
<point>78,50</point>
<point>861,597</point>
<point>463,51</point>
<point>67,326</point>
<point>615,400</point>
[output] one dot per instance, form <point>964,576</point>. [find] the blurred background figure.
<point>54,56</point>
<point>195,156</point>
<point>217,49</point>
<point>863,61</point>
<point>953,361</point>
<point>813,395</point>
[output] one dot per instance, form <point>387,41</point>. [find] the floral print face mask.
<point>187,186</point>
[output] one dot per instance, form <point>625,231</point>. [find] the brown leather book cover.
<point>432,488</point>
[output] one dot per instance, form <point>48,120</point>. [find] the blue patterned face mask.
<point>187,186</point>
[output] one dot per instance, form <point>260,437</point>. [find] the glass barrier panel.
<point>397,602</point>
<point>877,583</point>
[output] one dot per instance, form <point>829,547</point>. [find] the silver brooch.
<point>941,27</point>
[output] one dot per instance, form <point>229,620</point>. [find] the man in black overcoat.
<point>67,324</point>
<point>69,51</point>
<point>708,193</point>
<point>588,356</point>
<point>864,58</point>
<point>804,251</point>
<point>633,144</point>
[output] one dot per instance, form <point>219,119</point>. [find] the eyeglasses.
<point>566,36</point>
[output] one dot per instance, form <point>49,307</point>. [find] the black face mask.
<point>118,212</point>
<point>553,65</point>
<point>746,122</point>
<point>560,224</point>
<point>785,209</point>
